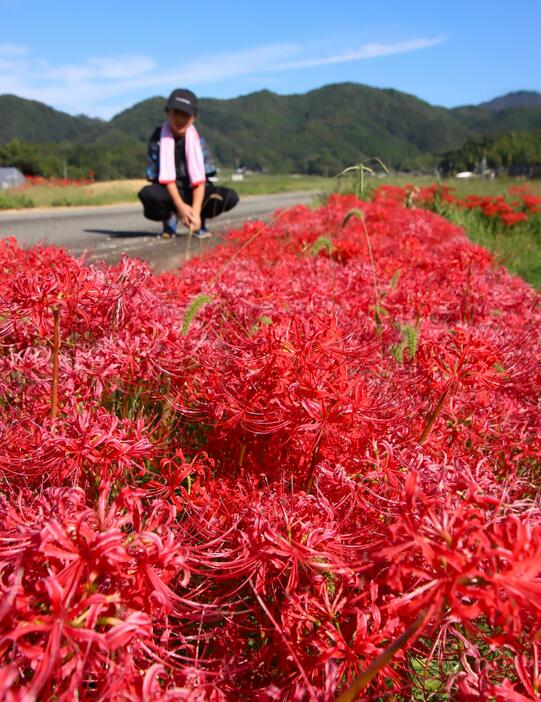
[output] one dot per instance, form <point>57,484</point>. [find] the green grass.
<point>70,195</point>
<point>15,200</point>
<point>266,184</point>
<point>517,248</point>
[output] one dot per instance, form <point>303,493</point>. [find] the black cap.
<point>183,100</point>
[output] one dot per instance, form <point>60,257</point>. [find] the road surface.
<point>106,233</point>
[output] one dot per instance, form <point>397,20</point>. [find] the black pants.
<point>158,205</point>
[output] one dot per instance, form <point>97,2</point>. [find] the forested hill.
<point>520,98</point>
<point>317,132</point>
<point>519,153</point>
<point>29,120</point>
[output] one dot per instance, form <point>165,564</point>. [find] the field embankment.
<point>312,451</point>
<point>72,194</point>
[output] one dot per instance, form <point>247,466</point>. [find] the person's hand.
<point>196,222</point>
<point>187,216</point>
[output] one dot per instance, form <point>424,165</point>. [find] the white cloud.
<point>365,52</point>
<point>13,50</point>
<point>115,68</point>
<point>98,85</point>
<point>123,66</point>
<point>213,69</point>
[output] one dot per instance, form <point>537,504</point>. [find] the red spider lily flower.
<point>255,498</point>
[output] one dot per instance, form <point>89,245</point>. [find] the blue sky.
<point>102,56</point>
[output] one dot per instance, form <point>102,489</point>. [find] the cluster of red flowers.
<point>519,206</point>
<point>32,181</point>
<point>250,479</point>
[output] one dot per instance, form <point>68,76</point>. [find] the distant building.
<point>10,178</point>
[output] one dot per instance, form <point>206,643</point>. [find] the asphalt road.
<point>106,233</point>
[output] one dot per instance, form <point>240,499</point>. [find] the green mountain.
<point>481,121</point>
<point>321,131</point>
<point>29,120</point>
<point>520,98</point>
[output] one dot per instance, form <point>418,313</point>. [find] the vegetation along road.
<point>106,233</point>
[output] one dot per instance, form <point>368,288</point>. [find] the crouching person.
<point>180,190</point>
